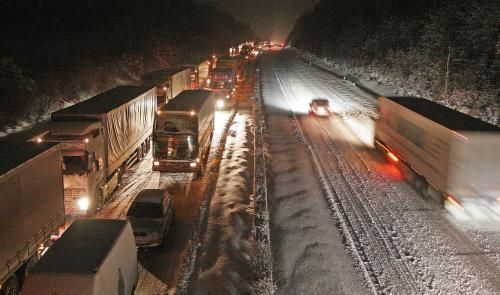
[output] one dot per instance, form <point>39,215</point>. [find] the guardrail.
<point>261,203</point>
<point>355,81</point>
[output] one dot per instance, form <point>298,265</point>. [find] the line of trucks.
<point>73,169</point>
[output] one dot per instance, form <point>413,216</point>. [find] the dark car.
<point>151,215</point>
<point>320,107</point>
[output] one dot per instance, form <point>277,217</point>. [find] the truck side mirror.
<point>91,162</point>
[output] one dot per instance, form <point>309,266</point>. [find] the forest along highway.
<point>330,182</point>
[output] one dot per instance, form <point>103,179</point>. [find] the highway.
<point>331,185</point>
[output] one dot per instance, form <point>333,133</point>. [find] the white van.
<point>151,215</point>
<point>94,256</point>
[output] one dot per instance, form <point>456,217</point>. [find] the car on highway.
<point>320,107</point>
<point>151,215</point>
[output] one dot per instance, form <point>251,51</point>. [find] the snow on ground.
<point>309,256</point>
<point>405,244</point>
<point>225,261</point>
<point>379,87</point>
<point>463,102</point>
<point>167,268</point>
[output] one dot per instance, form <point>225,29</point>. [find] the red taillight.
<point>392,157</point>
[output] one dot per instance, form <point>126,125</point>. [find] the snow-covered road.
<point>394,241</point>
<point>163,268</point>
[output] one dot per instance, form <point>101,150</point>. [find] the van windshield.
<point>145,210</point>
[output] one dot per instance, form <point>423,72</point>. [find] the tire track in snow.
<point>363,226</point>
<point>352,239</point>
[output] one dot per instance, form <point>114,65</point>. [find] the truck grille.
<point>74,193</point>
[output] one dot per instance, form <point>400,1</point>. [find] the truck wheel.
<point>148,144</point>
<point>11,287</point>
<point>421,187</point>
<point>200,173</point>
<point>139,153</point>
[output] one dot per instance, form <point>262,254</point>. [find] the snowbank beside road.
<point>225,261</point>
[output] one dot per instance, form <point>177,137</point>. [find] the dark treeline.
<point>59,51</point>
<point>408,44</point>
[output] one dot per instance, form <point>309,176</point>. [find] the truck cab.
<point>83,167</point>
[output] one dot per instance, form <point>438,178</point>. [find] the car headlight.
<point>156,163</point>
<point>192,164</point>
<point>83,203</point>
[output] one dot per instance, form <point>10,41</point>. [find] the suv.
<point>320,107</point>
<point>151,215</point>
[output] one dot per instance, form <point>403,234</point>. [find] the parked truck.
<point>183,132</point>
<point>31,207</point>
<point>448,156</point>
<point>99,138</point>
<point>168,82</point>
<point>93,256</point>
<point>200,73</point>
<point>224,74</point>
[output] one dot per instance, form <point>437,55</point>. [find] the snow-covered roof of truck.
<point>14,154</point>
<point>449,118</point>
<point>105,102</point>
<point>187,100</point>
<point>83,247</point>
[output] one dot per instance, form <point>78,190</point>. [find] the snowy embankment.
<point>226,250</point>
<point>371,81</point>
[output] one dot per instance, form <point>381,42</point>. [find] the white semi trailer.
<point>447,155</point>
<point>31,207</point>
<point>168,82</point>
<point>99,137</point>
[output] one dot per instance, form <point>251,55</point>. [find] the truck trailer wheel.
<point>139,153</point>
<point>11,287</point>
<point>421,187</point>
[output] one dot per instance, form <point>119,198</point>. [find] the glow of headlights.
<point>220,103</point>
<point>192,164</point>
<point>83,204</point>
<point>197,160</point>
<point>156,163</point>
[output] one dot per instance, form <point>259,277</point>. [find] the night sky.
<point>269,19</point>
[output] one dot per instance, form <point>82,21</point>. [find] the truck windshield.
<point>179,147</point>
<point>176,123</point>
<point>75,164</point>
